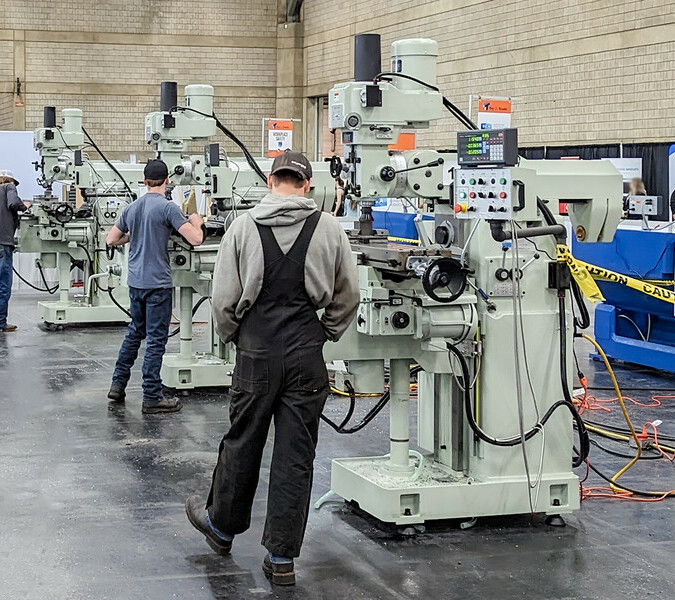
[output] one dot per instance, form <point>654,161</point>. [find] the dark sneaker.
<point>282,574</point>
<point>167,405</point>
<point>7,328</point>
<point>117,393</point>
<point>196,514</point>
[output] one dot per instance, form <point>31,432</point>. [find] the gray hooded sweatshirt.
<point>331,280</point>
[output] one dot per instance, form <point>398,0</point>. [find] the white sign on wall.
<point>630,168</point>
<point>494,113</point>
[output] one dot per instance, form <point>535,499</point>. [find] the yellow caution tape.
<point>583,272</point>
<point>580,273</point>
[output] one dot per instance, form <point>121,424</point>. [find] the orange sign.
<point>488,105</point>
<point>279,136</point>
<point>406,141</point>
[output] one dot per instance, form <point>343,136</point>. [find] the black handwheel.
<point>444,274</point>
<point>335,166</point>
<point>64,213</point>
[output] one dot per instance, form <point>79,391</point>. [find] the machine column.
<point>186,321</point>
<point>64,276</point>
<point>399,416</point>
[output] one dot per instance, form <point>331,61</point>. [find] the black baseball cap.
<point>292,161</point>
<point>156,170</point>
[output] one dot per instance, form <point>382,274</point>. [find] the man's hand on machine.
<point>192,231</point>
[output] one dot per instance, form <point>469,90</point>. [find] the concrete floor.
<point>91,502</point>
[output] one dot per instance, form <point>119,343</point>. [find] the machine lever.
<point>521,195</point>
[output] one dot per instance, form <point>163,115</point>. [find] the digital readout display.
<point>486,147</point>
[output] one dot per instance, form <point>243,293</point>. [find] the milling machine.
<point>70,231</point>
<point>483,310</point>
<point>231,186</point>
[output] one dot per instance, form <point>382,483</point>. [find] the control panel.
<point>497,147</point>
<point>483,194</point>
<point>647,206</point>
<point>109,209</point>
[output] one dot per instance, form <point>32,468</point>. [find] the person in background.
<point>338,205</point>
<point>637,187</point>
<point>672,205</point>
<point>10,207</point>
<point>277,265</point>
<point>146,225</point>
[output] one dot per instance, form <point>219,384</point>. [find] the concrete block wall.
<point>109,57</point>
<point>583,71</point>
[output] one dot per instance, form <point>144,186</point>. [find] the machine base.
<point>647,353</point>
<point>73,312</point>
<point>440,493</point>
<point>198,370</point>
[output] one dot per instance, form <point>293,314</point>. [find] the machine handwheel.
<point>64,213</point>
<point>444,275</point>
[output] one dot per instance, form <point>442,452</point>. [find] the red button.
<point>472,195</point>
<point>502,194</point>
<point>458,208</point>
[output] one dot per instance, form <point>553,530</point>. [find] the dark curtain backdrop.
<point>654,163</point>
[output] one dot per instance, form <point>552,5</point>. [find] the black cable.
<point>249,157</point>
<point>103,156</point>
<point>372,413</point>
<point>456,112</point>
<point>622,455</point>
<point>44,279</point>
<point>195,308</point>
<point>516,440</point>
<point>28,283</point>
<point>584,320</point>
<point>117,304</point>
<point>622,486</point>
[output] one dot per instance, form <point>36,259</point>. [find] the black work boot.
<point>117,393</point>
<point>166,405</point>
<point>197,515</point>
<point>279,574</point>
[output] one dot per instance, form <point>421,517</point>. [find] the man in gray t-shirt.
<point>146,225</point>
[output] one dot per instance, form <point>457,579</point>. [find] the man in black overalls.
<point>276,267</point>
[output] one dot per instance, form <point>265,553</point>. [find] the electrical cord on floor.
<point>372,413</point>
<point>616,490</point>
<point>195,308</point>
<point>46,289</point>
<point>623,455</point>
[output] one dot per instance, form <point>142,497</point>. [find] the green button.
<point>462,195</point>
<point>502,181</point>
<point>472,181</point>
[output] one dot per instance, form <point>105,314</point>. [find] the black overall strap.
<point>271,249</point>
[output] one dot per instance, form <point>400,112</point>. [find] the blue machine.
<point>400,225</point>
<point>629,325</point>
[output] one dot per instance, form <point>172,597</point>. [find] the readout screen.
<point>480,147</point>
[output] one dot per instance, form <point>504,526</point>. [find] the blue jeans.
<point>5,282</point>
<point>150,319</point>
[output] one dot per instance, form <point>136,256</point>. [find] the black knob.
<point>56,169</point>
<point>387,174</point>
<point>491,194</point>
<point>442,235</point>
<point>54,233</point>
<point>179,170</point>
<point>416,160</point>
<point>180,260</point>
<point>502,274</point>
<point>427,173</point>
<point>416,186</point>
<point>481,194</point>
<point>481,182</point>
<point>400,320</point>
<point>155,136</point>
<point>501,209</point>
<point>491,208</point>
